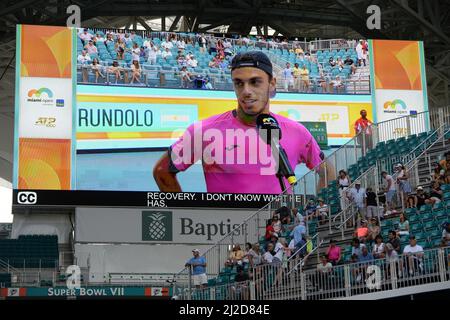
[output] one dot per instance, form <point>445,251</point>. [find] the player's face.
<point>252,88</point>
<point>363,113</point>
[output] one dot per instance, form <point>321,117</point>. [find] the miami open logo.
<point>395,106</point>
<point>43,96</point>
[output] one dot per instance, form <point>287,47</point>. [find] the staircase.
<point>358,83</point>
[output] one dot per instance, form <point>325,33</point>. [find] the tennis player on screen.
<point>229,166</point>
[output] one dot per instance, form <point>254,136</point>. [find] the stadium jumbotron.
<point>247,150</point>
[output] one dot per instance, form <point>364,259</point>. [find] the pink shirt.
<point>240,161</point>
<point>334,253</point>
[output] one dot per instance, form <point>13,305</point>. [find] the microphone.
<point>267,126</point>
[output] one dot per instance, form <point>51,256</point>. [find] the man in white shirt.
<point>414,252</point>
<point>153,53</point>
<point>86,36</point>
<point>192,62</point>
<point>267,256</point>
<point>84,58</point>
<point>166,54</point>
<point>390,190</point>
<point>288,78</point>
<point>358,196</point>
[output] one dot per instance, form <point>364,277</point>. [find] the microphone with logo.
<point>270,132</point>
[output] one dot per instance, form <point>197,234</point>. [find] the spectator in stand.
<point>419,199</point>
<point>198,265</point>
<point>120,49</point>
<point>97,69</point>
<point>284,215</point>
<point>212,46</point>
<point>98,38</point>
<point>337,85</point>
<point>276,225</point>
<point>323,83</point>
<point>166,54</point>
<point>360,53</point>
<point>207,85</point>
<point>333,253</point>
<point>109,39</point>
<point>287,77</point>
<point>127,39</point>
<point>85,36</point>
<point>91,48</point>
<point>228,48</point>
<point>297,77</point>
<point>390,192</point>
<point>362,232</point>
<point>378,250</point>
<point>182,62</point>
<point>202,44</point>
<point>116,70</point>
<point>322,211</point>
<point>363,129</point>
<point>358,196</point>
<point>84,58</point>
<point>220,48</point>
<point>185,77</point>
<point>403,226</point>
<point>445,165</point>
<point>394,241</point>
<point>402,180</point>
<point>245,260</point>
<point>135,72</point>
<point>267,257</point>
<point>391,256</point>
<point>310,209</point>
<point>240,289</point>
<point>435,193</point>
<point>343,182</point>
<point>153,54</point>
<point>414,254</point>
<point>254,256</point>
<point>324,269</point>
<point>365,255</point>
<point>192,62</point>
<point>446,233</point>
<point>438,174</point>
<point>332,62</point>
<point>372,204</point>
<point>349,62</point>
<point>304,73</point>
<point>374,229</point>
<point>298,234</point>
<point>357,247</point>
<point>181,45</point>
<point>340,64</point>
<point>135,52</point>
<point>215,62</point>
<point>236,256</point>
<point>269,229</point>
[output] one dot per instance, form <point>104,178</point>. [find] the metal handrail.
<point>300,263</point>
<point>303,247</point>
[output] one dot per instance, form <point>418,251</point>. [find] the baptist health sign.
<point>181,226</point>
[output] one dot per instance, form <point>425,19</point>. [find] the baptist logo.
<point>46,122</point>
<point>157,226</point>
<point>395,106</point>
<point>26,197</point>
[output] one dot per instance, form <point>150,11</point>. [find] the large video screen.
<point>111,112</point>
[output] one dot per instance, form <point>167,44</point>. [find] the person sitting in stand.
<point>322,211</point>
<point>333,253</point>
